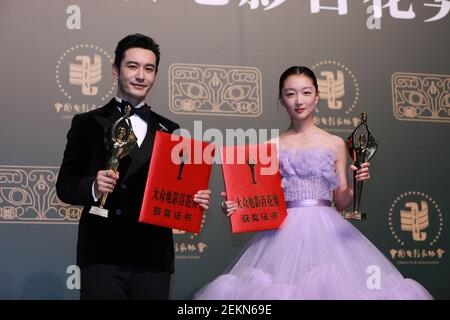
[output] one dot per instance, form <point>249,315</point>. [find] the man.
<point>119,257</point>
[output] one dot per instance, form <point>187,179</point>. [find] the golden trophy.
<point>120,143</point>
<point>362,147</point>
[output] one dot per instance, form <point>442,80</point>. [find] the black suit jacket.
<point>119,239</point>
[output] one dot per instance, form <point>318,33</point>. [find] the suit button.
<point>118,212</point>
<point>123,186</point>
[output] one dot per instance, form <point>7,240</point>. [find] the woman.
<point>316,254</point>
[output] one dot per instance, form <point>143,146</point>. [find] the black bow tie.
<point>142,111</point>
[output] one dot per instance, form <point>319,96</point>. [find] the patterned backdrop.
<point>221,60</point>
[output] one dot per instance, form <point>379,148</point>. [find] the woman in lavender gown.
<point>316,254</point>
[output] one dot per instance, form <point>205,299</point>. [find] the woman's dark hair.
<point>297,70</point>
<point>136,40</point>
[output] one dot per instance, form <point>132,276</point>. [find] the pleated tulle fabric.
<point>316,254</point>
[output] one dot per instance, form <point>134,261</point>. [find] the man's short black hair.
<point>136,40</point>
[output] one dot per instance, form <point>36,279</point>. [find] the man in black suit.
<point>119,257</point>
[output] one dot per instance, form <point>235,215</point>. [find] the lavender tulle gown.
<point>316,254</point>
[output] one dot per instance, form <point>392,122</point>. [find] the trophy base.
<point>99,211</point>
<point>354,215</point>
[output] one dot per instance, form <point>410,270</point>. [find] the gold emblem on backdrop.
<point>84,79</point>
<point>416,223</point>
<point>28,195</point>
<point>85,74</point>
<point>215,90</point>
<point>339,95</point>
<point>187,245</point>
<point>415,219</point>
<point>421,97</point>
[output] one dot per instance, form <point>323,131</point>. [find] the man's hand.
<point>105,181</point>
<point>203,198</point>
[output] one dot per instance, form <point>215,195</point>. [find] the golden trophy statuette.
<point>119,144</point>
<point>362,147</point>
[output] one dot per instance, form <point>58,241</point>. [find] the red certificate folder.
<point>253,181</point>
<point>179,167</point>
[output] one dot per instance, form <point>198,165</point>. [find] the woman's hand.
<point>228,206</point>
<point>362,173</point>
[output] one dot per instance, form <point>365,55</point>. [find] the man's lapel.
<point>143,153</point>
<point>107,118</point>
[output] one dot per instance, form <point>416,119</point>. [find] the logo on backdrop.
<point>439,9</point>
<point>28,195</point>
<point>421,97</point>
<point>253,4</point>
<point>339,95</point>
<point>416,222</point>
<point>215,90</point>
<point>187,246</point>
<point>84,79</point>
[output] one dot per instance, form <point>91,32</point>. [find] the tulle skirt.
<point>316,254</point>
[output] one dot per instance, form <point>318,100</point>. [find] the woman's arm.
<point>343,194</point>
